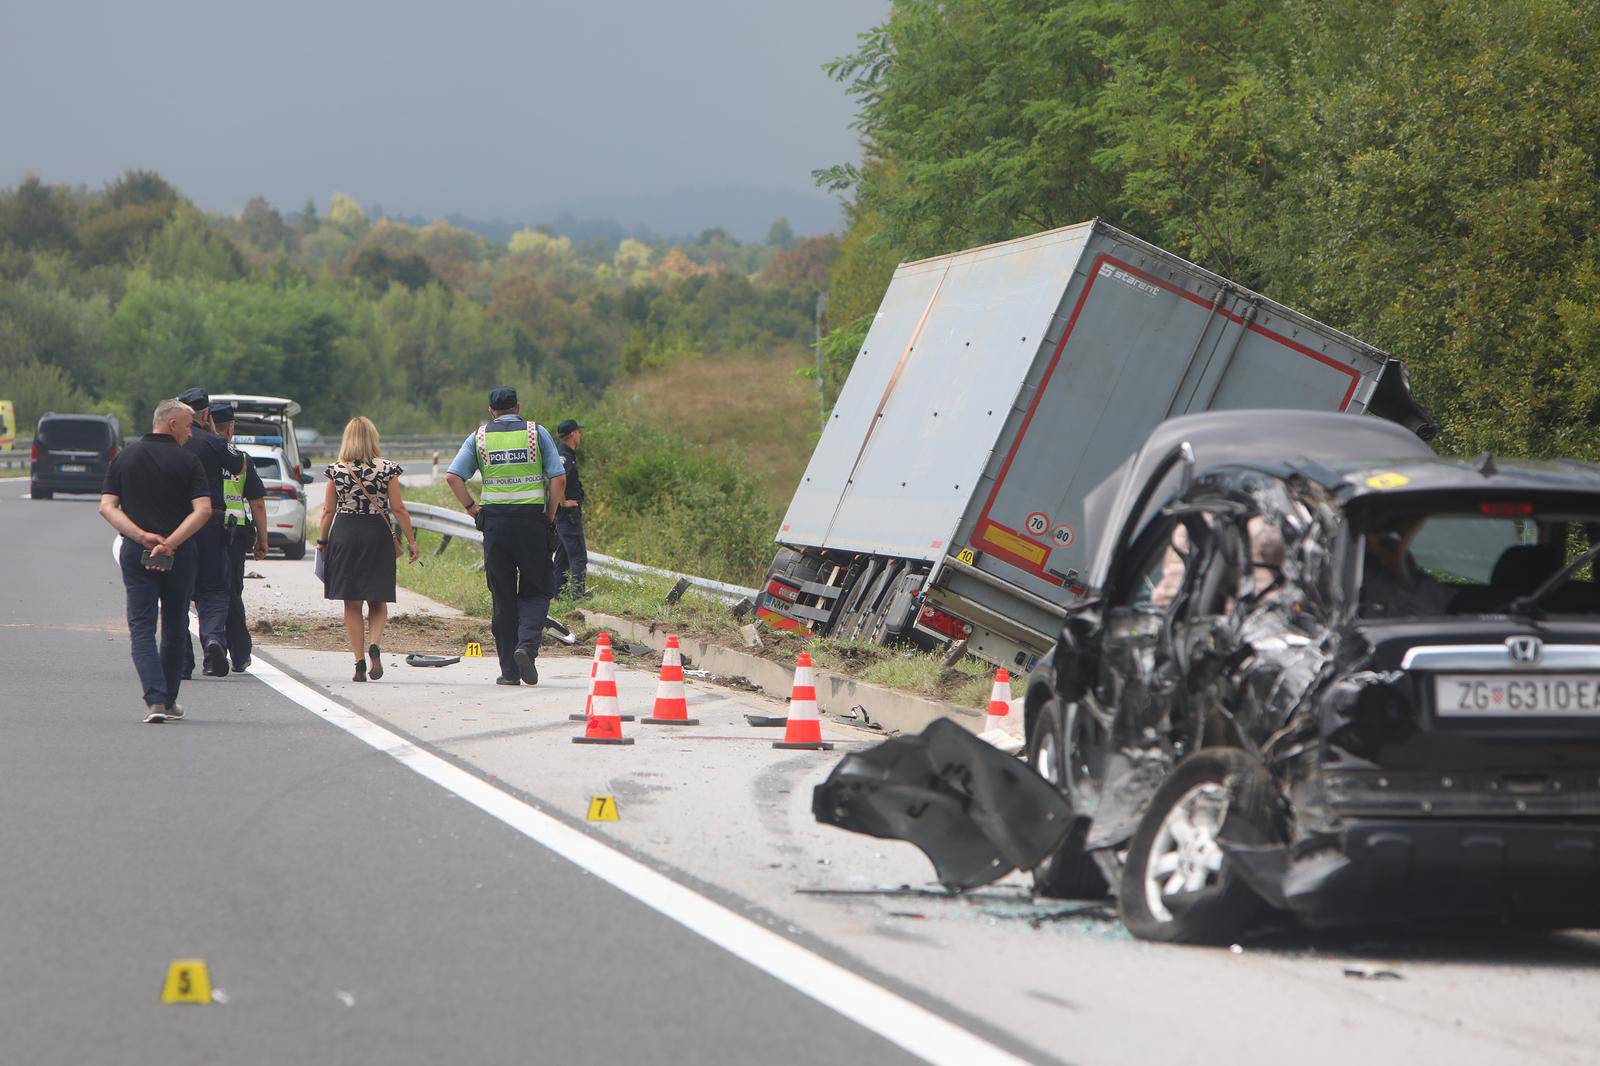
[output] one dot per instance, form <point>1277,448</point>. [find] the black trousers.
<point>211,584</point>
<point>240,538</point>
<point>237,639</point>
<point>572,554</point>
<point>516,564</point>
<point>158,596</point>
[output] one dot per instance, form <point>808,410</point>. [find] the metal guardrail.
<point>394,445</point>
<point>452,525</point>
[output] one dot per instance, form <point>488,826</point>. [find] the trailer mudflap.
<point>974,811</point>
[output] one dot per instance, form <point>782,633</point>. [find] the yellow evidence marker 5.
<point>187,982</point>
<point>603,809</point>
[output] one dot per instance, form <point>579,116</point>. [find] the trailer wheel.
<point>1070,873</point>
<point>1177,884</point>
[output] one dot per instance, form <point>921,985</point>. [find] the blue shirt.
<point>465,464</point>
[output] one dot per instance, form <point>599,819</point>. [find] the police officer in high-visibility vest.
<point>524,484</point>
<point>244,526</point>
<point>211,573</point>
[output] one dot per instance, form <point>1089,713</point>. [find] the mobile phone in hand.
<point>156,562</point>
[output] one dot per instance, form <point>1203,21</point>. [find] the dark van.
<point>71,453</point>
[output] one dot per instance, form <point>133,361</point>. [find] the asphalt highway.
<point>350,910</point>
<point>401,873</point>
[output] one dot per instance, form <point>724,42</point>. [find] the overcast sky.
<point>493,108</point>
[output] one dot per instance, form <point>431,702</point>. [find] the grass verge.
<point>455,579</point>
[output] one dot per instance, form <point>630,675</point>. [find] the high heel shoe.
<point>377,662</point>
<point>361,670</point>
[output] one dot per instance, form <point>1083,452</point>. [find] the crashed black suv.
<point>1325,672</point>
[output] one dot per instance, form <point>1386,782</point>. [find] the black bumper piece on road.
<point>1545,873</point>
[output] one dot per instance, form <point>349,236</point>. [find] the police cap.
<point>197,399</point>
<point>567,426</point>
<point>503,398</point>
<point>221,413</point>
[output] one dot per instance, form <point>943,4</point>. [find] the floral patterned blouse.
<point>374,476</point>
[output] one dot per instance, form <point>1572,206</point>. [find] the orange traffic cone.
<point>605,721</point>
<point>672,706</point>
<point>999,701</point>
<point>602,641</point>
<point>804,728</point>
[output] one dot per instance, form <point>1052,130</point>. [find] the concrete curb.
<point>896,712</point>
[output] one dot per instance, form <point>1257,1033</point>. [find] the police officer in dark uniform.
<point>572,553</point>
<point>524,484</point>
<point>211,574</point>
<point>243,526</point>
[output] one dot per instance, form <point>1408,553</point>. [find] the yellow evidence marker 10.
<point>603,809</point>
<point>187,982</point>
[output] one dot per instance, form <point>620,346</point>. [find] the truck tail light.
<point>936,620</point>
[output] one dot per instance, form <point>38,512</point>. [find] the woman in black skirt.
<point>358,546</point>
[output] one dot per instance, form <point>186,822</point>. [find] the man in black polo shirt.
<point>219,458</point>
<point>156,496</point>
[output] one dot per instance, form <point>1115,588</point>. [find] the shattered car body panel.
<point>926,789</point>
<point>1390,636</point>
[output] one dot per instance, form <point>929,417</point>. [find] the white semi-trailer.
<point>996,387</point>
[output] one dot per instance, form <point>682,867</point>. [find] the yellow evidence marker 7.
<point>187,982</point>
<point>603,809</point>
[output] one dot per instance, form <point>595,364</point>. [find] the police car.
<point>264,429</point>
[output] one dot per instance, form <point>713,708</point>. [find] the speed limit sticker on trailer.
<point>1064,535</point>
<point>1038,523</point>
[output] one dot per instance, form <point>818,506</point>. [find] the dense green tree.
<point>34,216</point>
<point>379,268</point>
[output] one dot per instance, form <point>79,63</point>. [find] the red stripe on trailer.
<point>1038,570</point>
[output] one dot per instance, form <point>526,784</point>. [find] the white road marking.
<point>896,1019</point>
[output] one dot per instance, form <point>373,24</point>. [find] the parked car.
<point>286,499</point>
<point>1322,672</point>
<point>71,453</point>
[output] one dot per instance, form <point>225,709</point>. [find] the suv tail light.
<point>936,620</point>
<point>283,492</point>
<point>111,453</point>
<point>34,458</point>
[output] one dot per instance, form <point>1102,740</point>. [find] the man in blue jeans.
<point>157,496</point>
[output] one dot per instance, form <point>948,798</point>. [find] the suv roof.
<point>275,405</point>
<point>1359,479</point>
<point>112,419</point>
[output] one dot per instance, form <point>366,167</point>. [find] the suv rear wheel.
<point>1177,884</point>
<point>1071,873</point>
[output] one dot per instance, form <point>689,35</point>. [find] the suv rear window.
<point>74,434</point>
<point>268,468</point>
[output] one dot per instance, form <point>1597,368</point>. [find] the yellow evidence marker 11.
<point>187,982</point>
<point>603,809</point>
<point>474,651</point>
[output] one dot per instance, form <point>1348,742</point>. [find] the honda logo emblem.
<point>1525,651</point>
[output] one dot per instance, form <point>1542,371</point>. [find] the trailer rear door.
<point>937,378</point>
<point>1143,336</point>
